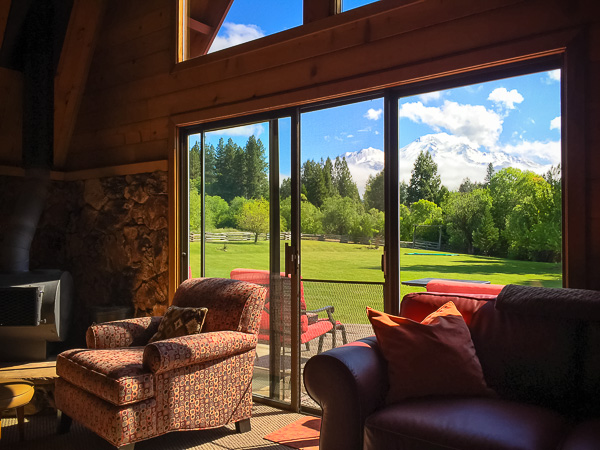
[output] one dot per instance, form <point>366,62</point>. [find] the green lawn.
<point>354,262</point>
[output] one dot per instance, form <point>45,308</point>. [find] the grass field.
<point>354,262</point>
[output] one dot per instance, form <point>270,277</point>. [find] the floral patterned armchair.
<point>126,390</point>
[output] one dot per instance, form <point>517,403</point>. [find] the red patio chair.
<point>311,326</point>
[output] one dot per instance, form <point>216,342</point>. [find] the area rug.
<point>302,434</point>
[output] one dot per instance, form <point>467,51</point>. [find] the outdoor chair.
<point>311,325</point>
<point>126,390</point>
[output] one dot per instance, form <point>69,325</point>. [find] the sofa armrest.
<point>122,333</point>
<point>169,354</point>
<point>349,383</point>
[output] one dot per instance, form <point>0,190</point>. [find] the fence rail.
<point>241,236</point>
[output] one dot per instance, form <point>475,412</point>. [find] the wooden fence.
<point>241,236</point>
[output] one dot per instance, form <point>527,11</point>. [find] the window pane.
<point>248,20</point>
<point>481,182</point>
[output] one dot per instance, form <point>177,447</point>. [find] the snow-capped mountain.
<point>455,157</point>
<point>368,161</point>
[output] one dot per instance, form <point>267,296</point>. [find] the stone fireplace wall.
<point>110,233</point>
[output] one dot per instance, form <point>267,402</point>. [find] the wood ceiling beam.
<point>210,13</point>
<point>73,68</point>
<point>200,27</point>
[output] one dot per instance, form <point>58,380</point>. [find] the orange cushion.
<point>433,357</point>
<point>463,287</point>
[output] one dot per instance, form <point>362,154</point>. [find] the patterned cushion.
<point>116,375</point>
<point>179,322</point>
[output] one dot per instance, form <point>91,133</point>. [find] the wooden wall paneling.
<point>128,93</point>
<point>125,154</point>
<point>113,171</point>
<point>72,71</point>
<point>322,71</point>
<point>4,10</point>
<point>452,65</point>
<point>11,115</point>
<point>135,69</point>
<point>120,13</point>
<point>135,27</point>
<point>110,59</point>
<point>156,129</point>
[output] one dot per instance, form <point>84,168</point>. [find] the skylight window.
<point>246,22</point>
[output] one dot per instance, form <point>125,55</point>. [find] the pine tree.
<point>194,163</point>
<point>313,182</point>
<point>488,175</point>
<point>424,181</point>
<point>374,192</point>
<point>330,189</point>
<point>255,178</point>
<point>210,171</point>
<point>343,179</point>
<point>229,168</point>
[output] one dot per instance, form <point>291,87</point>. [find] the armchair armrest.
<point>122,333</point>
<point>349,382</point>
<point>329,309</point>
<point>169,354</point>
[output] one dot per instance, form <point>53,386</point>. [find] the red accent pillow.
<point>433,357</point>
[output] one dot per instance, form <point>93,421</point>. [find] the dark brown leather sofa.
<point>540,352</point>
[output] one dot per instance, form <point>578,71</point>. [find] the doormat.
<point>302,434</point>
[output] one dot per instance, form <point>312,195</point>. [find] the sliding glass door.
<point>341,223</point>
<point>236,230</point>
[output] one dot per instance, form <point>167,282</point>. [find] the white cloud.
<point>234,34</point>
<point>546,153</point>
<point>505,98</point>
<point>552,76</point>
<point>247,130</point>
<point>481,126</point>
<point>555,123</point>
<point>350,136</point>
<point>429,96</point>
<point>373,114</point>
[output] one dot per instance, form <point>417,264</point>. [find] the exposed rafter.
<point>72,72</point>
<point>205,17</point>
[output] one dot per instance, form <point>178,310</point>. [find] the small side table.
<point>16,394</point>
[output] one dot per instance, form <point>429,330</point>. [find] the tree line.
<point>512,213</point>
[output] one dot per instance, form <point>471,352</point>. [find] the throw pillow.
<point>180,322</point>
<point>433,357</point>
